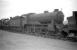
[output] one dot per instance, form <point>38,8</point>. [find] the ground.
<point>15,41</point>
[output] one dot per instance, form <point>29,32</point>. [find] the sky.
<point>11,8</point>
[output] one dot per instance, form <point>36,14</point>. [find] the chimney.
<point>10,17</point>
<point>46,12</point>
<point>56,10</point>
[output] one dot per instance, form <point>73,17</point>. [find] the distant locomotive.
<point>71,27</point>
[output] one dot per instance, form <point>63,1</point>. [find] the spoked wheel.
<point>50,33</point>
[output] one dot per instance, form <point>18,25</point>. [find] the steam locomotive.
<point>46,22</point>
